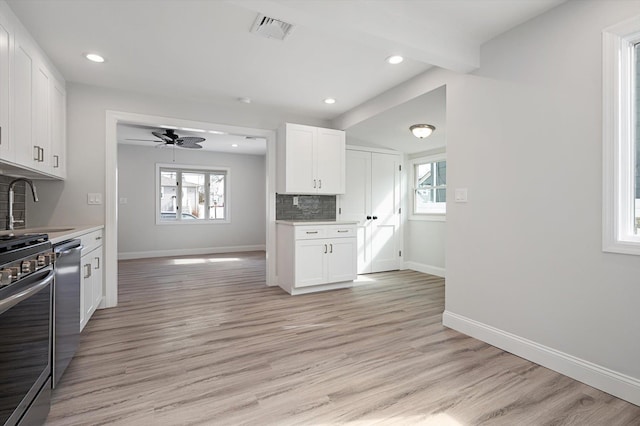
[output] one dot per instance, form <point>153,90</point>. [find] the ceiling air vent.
<point>271,28</point>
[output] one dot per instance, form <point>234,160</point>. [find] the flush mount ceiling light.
<point>395,59</point>
<point>330,101</point>
<point>422,131</point>
<point>94,57</point>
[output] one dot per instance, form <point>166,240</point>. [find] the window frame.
<point>619,135</point>
<point>189,168</point>
<point>438,216</point>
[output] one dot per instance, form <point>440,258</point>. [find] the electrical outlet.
<point>295,201</point>
<point>461,195</point>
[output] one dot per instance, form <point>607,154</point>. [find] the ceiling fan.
<point>169,137</point>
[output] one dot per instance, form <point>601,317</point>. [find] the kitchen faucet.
<point>10,220</point>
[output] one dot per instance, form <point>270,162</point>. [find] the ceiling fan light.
<point>422,131</point>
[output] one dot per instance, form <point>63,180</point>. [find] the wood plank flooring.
<point>200,340</point>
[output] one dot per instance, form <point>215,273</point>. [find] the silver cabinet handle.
<point>87,270</point>
<point>98,265</point>
<point>98,238</point>
<point>0,135</point>
<point>325,249</point>
<point>314,183</point>
<point>343,230</point>
<point>56,163</point>
<point>330,248</point>
<point>319,183</point>
<point>312,232</point>
<point>36,153</point>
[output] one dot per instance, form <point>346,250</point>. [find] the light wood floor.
<point>201,340</point>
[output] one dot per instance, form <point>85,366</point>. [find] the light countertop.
<point>315,222</point>
<point>57,234</point>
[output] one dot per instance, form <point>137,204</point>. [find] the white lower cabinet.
<point>315,257</point>
<point>92,276</point>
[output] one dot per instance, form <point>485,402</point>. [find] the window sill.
<point>429,217</point>
<point>194,222</point>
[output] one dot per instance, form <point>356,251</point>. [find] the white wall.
<point>424,241</point>
<point>65,203</point>
<point>138,234</point>
<point>525,268</point>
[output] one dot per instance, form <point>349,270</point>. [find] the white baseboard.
<point>188,252</point>
<point>425,269</point>
<point>612,382</point>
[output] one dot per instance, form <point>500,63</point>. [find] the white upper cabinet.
<point>5,85</point>
<point>32,105</point>
<point>310,160</point>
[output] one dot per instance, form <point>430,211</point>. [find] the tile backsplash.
<point>18,201</point>
<point>310,207</point>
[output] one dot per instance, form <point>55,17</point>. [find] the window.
<point>621,128</point>
<point>429,177</point>
<point>192,195</point>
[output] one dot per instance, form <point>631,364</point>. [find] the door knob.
<point>375,217</point>
<point>368,217</point>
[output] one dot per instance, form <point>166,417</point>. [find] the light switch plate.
<point>94,198</point>
<point>461,195</point>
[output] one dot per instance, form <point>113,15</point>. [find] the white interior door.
<point>355,204</point>
<point>385,203</point>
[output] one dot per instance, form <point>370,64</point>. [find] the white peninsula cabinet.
<point>315,256</point>
<point>91,274</point>
<point>310,160</point>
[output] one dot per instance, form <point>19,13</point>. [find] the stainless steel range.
<point>26,291</point>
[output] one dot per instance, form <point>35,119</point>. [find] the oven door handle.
<point>13,300</point>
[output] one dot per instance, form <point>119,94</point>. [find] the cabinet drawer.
<point>341,231</point>
<point>91,241</point>
<point>310,232</point>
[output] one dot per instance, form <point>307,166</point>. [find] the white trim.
<point>424,268</point>
<point>429,217</point>
<point>618,135</point>
<point>195,168</point>
<point>607,380</point>
<point>188,252</point>
<point>369,149</point>
<point>111,189</point>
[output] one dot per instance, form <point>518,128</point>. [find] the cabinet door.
<point>5,84</point>
<point>42,117</point>
<point>96,276</point>
<point>342,260</point>
<point>22,77</point>
<point>299,160</point>
<point>311,262</point>
<point>86,290</point>
<point>58,128</point>
<point>330,159</point>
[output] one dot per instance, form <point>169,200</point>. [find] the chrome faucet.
<point>10,220</point>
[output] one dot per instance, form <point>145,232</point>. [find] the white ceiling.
<point>203,50</point>
<point>142,136</point>
<point>390,129</point>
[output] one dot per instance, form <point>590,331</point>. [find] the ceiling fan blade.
<point>190,146</point>
<point>189,140</point>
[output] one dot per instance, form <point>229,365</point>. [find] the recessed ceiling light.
<point>216,132</point>
<point>244,100</point>
<point>189,129</point>
<point>330,101</point>
<point>94,57</point>
<point>235,145</point>
<point>395,59</point>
